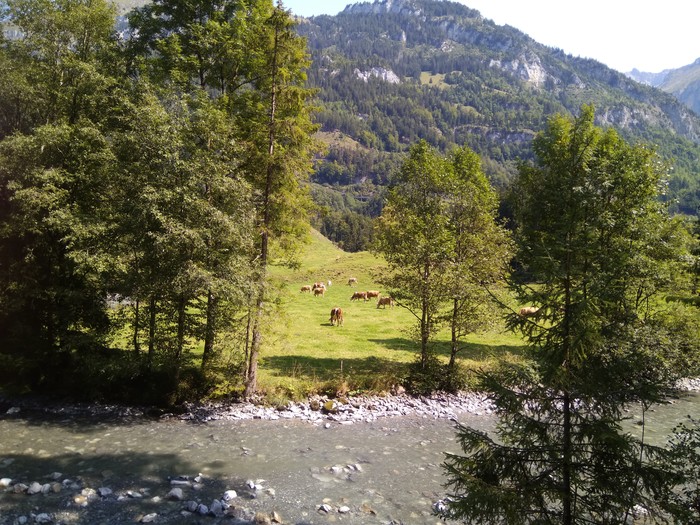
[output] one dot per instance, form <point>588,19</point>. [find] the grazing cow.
<point>318,285</point>
<point>529,311</point>
<point>306,288</point>
<point>383,301</point>
<point>337,316</point>
<point>359,295</point>
<point>352,280</point>
<point>371,294</point>
<point>319,291</point>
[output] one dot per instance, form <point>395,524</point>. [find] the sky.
<point>650,35</point>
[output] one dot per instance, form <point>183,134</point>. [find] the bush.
<point>434,376</point>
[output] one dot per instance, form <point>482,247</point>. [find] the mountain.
<point>392,72</point>
<point>683,83</point>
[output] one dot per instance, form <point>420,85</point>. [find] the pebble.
<point>175,494</point>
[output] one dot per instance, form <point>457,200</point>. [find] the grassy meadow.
<point>303,353</point>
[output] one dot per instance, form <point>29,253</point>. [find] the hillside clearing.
<point>304,354</point>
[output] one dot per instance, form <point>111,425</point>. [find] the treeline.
<point>145,184</point>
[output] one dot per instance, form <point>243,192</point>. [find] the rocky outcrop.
<point>386,75</point>
<point>528,67</point>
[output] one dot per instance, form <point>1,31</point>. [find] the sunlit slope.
<point>372,347</point>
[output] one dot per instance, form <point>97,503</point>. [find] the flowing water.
<point>387,471</point>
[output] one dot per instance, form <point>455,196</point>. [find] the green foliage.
<point>593,236</point>
<point>684,503</point>
<point>433,376</point>
<point>439,236</point>
<point>135,179</point>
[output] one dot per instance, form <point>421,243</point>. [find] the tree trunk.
<point>137,323</point>
<point>454,348</point>
<point>256,343</point>
<point>180,343</point>
<point>151,331</point>
<point>210,330</point>
<point>567,517</point>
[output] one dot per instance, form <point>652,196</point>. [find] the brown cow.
<point>306,288</point>
<point>383,301</point>
<point>319,291</point>
<point>352,280</point>
<point>336,316</point>
<point>318,285</point>
<point>529,311</point>
<point>359,295</point>
<point>372,294</point>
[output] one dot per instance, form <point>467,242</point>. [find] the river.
<point>380,472</point>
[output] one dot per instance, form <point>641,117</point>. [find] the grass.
<point>437,80</point>
<point>304,354</point>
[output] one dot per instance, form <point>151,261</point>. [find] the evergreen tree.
<point>276,124</point>
<point>597,243</point>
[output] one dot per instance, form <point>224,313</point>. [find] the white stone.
<point>104,491</point>
<point>175,494</point>
<point>43,518</point>
<point>230,494</point>
<point>149,518</point>
<point>344,509</point>
<point>34,488</point>
<point>5,482</point>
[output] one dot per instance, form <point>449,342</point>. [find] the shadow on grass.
<point>325,369</point>
<point>480,351</point>
<point>471,351</point>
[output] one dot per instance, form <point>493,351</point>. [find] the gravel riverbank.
<point>315,410</point>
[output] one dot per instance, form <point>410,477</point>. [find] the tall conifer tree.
<point>594,238</point>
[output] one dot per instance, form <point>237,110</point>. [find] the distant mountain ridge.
<point>683,83</point>
<point>392,72</point>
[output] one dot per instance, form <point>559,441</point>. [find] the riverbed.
<point>386,470</point>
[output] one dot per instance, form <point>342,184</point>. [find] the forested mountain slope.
<point>390,73</point>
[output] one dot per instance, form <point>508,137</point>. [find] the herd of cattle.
<point>320,288</point>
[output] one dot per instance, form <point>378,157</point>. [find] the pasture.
<point>303,353</point>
